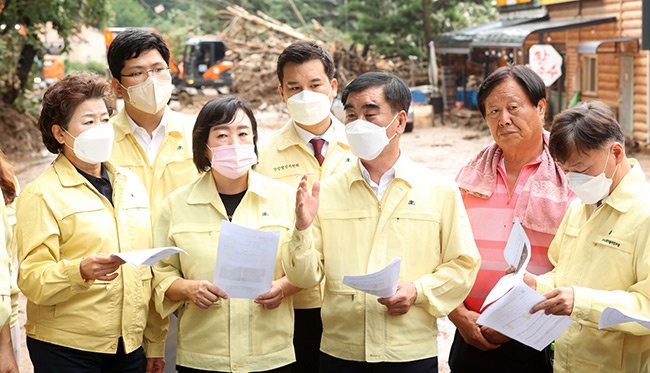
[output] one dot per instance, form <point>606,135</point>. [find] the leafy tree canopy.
<point>21,24</point>
<point>390,27</point>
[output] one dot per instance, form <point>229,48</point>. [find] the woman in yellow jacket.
<point>85,311</point>
<point>8,362</point>
<point>217,333</point>
<point>10,189</point>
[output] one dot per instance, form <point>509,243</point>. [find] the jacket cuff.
<point>544,284</point>
<point>73,271</point>
<point>420,290</point>
<point>164,306</point>
<point>154,350</point>
<point>299,239</point>
<point>581,304</point>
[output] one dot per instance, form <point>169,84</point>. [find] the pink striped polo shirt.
<point>491,221</point>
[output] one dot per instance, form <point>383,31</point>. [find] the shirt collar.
<point>104,175</point>
<point>306,136</point>
<point>388,176</point>
<point>161,126</point>
<point>502,162</point>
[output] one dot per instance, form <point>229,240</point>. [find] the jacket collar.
<point>623,198</point>
<point>68,174</point>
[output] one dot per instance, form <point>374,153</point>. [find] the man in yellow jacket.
<point>151,140</point>
<point>383,207</point>
<point>312,143</point>
<point>601,252</point>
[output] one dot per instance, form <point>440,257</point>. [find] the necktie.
<point>318,146</point>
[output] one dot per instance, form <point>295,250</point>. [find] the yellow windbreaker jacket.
<point>12,254</point>
<point>420,219</point>
<point>5,265</point>
<point>284,157</point>
<point>61,218</point>
<point>233,334</point>
<point>173,166</point>
<point>604,254</point>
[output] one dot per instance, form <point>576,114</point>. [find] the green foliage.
<point>449,15</point>
<point>128,13</point>
<point>10,45</point>
<point>29,101</point>
<point>390,27</point>
<point>66,16</point>
<point>393,28</point>
<point>23,40</point>
<point>396,28</point>
<point>178,20</point>
<point>92,66</point>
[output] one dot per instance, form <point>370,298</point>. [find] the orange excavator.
<point>53,68</point>
<point>203,65</point>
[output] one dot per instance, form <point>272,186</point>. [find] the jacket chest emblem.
<point>286,166</point>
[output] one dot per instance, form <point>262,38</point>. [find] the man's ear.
<point>541,107</point>
<point>335,88</point>
<point>401,122</point>
<point>117,87</point>
<point>281,93</point>
<point>619,152</point>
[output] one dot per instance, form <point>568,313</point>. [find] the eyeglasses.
<point>141,75</point>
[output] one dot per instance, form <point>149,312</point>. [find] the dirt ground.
<point>443,148</point>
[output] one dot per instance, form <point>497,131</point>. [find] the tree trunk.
<point>366,49</point>
<point>22,72</point>
<point>426,19</point>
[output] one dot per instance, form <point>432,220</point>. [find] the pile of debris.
<point>21,136</point>
<point>255,42</point>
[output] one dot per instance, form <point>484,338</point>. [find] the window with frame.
<point>589,75</point>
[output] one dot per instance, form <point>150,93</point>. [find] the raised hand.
<point>306,203</point>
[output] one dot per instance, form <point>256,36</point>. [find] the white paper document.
<point>510,316</point>
<point>245,260</point>
<point>613,316</point>
<point>517,254</point>
<point>382,283</point>
<point>148,256</point>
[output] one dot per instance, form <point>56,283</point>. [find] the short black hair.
<point>129,44</point>
<point>303,51</point>
<point>529,81</point>
<point>584,127</point>
<point>218,111</point>
<point>396,91</point>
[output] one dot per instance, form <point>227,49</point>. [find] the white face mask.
<point>151,95</point>
<point>94,145</point>
<point>367,140</point>
<point>590,189</point>
<point>233,161</point>
<point>308,107</point>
